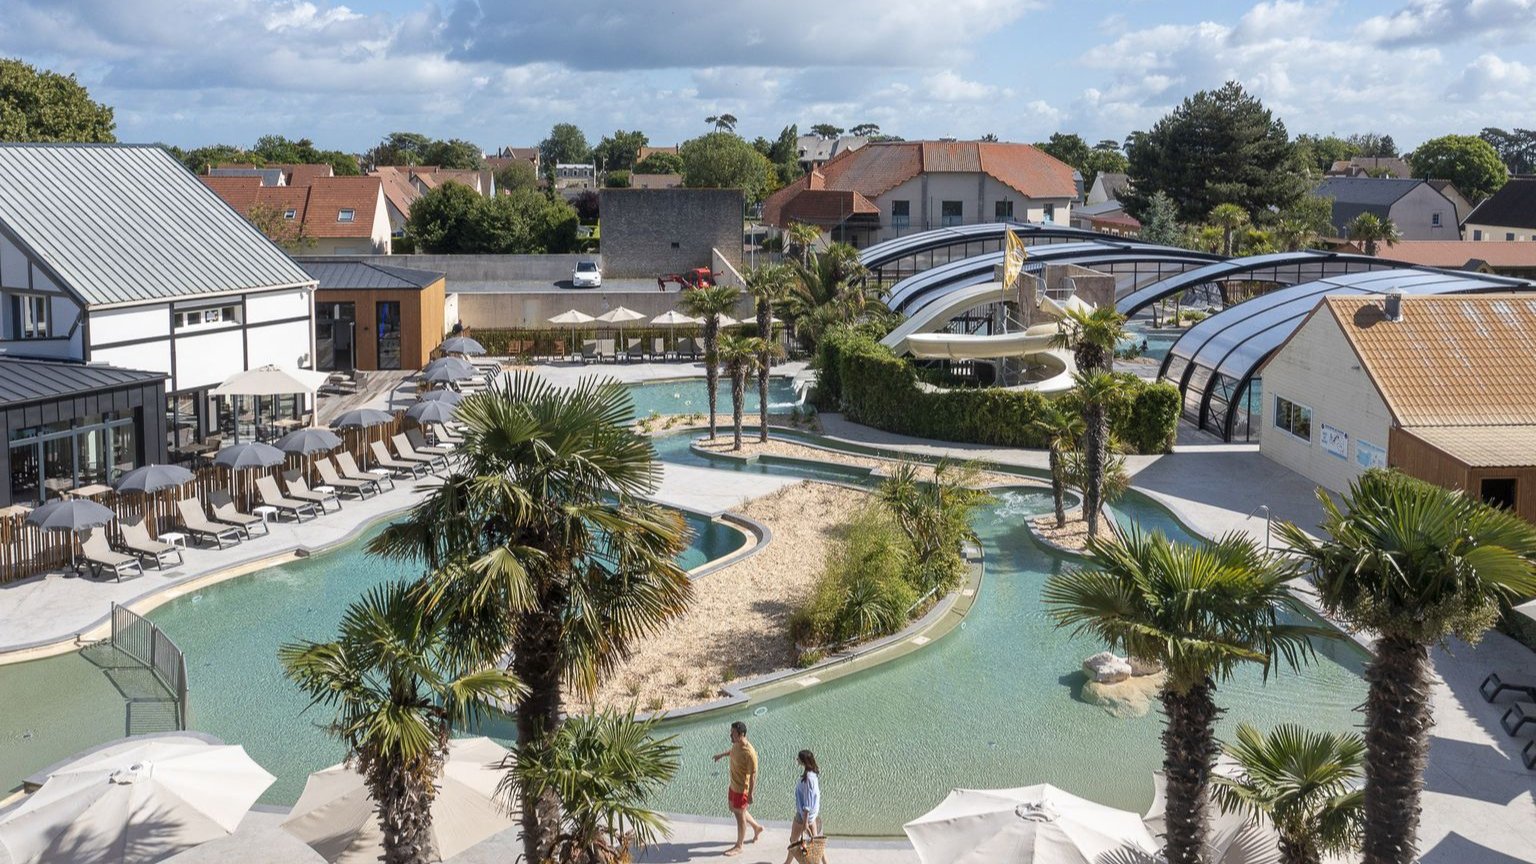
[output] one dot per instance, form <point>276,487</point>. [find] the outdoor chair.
<point>632,351</point>
<point>441,433</point>
<point>349,470</point>
<point>398,467</point>
<point>589,352</point>
<point>1494,685</point>
<point>658,349</point>
<point>419,443</point>
<point>195,522</point>
<point>1517,716</point>
<point>358,487</point>
<point>99,556</point>
<point>225,511</point>
<point>298,489</point>
<point>1528,754</point>
<point>267,491</point>
<point>136,541</point>
<point>405,451</point>
<point>606,350</point>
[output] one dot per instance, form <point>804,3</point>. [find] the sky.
<point>194,72</point>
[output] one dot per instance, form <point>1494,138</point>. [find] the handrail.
<point>139,638</point>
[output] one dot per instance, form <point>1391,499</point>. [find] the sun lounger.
<point>407,452</point>
<point>1528,754</point>
<point>1494,685</point>
<point>420,445</point>
<point>1517,716</point>
<point>224,511</point>
<point>341,484</point>
<point>99,555</point>
<point>195,522</point>
<point>399,467</point>
<point>300,490</point>
<point>136,541</point>
<point>589,352</point>
<point>267,491</point>
<point>607,350</point>
<point>441,433</point>
<point>348,467</point>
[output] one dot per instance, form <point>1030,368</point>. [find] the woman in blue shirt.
<point>807,822</point>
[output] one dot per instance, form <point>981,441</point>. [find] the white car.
<point>587,275</point>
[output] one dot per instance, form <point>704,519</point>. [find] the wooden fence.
<point>26,550</point>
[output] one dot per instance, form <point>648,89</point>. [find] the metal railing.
<point>138,638</point>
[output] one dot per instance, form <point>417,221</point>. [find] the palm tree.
<point>709,303</point>
<point>802,237</point>
<point>1062,430</point>
<point>831,289</point>
<point>1414,564</point>
<point>722,122</point>
<point>1294,235</point>
<point>1095,390</point>
<point>602,767</point>
<point>539,545</point>
<point>934,515</point>
<point>1305,783</point>
<point>740,355</point>
<point>398,686</point>
<point>1229,218</point>
<point>768,285</point>
<point>1092,336</point>
<point>1202,612</point>
<point>1372,229</point>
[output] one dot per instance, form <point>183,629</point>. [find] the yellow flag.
<point>1013,258</point>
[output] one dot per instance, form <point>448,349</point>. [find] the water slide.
<point>964,346</point>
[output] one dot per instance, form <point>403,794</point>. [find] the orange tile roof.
<point>1453,360</point>
<point>1459,253</point>
<point>328,196</point>
<point>397,188</point>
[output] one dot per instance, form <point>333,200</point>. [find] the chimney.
<point>1393,307</point>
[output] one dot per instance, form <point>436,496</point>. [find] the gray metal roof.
<point>125,224</point>
<point>25,380</point>
<point>363,274</point>
<point>937,238</point>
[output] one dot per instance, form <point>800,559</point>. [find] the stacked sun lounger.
<point>1520,718</point>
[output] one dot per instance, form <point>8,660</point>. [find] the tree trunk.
<point>404,813</point>
<point>1297,850</point>
<point>711,366</point>
<point>764,325</point>
<point>738,396</point>
<point>1397,725</point>
<point>1094,443</point>
<point>536,659</point>
<point>1189,751</point>
<point>1058,488</point>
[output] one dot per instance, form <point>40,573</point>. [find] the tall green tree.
<point>1319,152</point>
<point>1466,160</point>
<point>826,131</point>
<point>618,152</point>
<point>1305,783</point>
<point>740,355</point>
<point>201,159</point>
<point>1202,612</point>
<point>540,543</point>
<point>446,220</point>
<point>709,304</point>
<point>724,161</point>
<point>1373,145</point>
<point>398,148</point>
<point>1516,148</point>
<point>1160,220</point>
<point>454,153</point>
<point>1300,224</point>
<point>1100,161</point>
<point>39,105</point>
<point>660,163</point>
<point>1069,147</point>
<point>454,219</point>
<point>1370,229</point>
<point>1413,564</point>
<point>516,175</point>
<point>1218,147</point>
<point>722,122</point>
<point>565,143</point>
<point>768,284</point>
<point>399,686</point>
<point>865,130</point>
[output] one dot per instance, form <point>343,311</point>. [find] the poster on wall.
<point>1368,455</point>
<point>1335,441</point>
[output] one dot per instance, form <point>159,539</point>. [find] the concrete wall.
<point>647,232</point>
<point>1414,215</point>
<point>1318,369</point>
<point>494,269</point>
<point>535,308</point>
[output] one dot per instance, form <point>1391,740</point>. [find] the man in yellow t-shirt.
<point>743,782</point>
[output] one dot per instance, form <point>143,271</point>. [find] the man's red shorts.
<point>739,800</point>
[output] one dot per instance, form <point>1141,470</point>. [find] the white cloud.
<point>947,86</point>
<point>1444,21</point>
<point>1491,78</point>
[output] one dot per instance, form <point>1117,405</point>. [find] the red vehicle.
<point>699,277</point>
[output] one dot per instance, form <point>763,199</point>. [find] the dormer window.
<point>290,214</point>
<point>346,215</point>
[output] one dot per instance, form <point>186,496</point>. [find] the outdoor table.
<point>384,474</point>
<point>267,513</point>
<point>175,538</point>
<point>89,491</point>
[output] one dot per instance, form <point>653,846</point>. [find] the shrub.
<point>1154,419</point>
<point>862,591</point>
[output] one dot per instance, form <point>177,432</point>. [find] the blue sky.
<point>193,72</point>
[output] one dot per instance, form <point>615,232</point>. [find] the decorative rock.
<point>1140,667</point>
<point>1106,668</point>
<point>1127,699</point>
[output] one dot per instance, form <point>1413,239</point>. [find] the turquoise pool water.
<point>688,396</point>
<point>1158,341</point>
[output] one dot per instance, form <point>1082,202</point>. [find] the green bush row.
<point>863,591</point>
<point>871,385</point>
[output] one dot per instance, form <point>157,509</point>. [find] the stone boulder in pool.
<point>1105,668</point>
<point>1123,687</point>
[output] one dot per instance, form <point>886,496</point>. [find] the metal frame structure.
<point>1283,268</point>
<point>903,257</point>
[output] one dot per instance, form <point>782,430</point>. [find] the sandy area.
<point>737,626</point>
<point>1073,535</point>
<point>750,446</point>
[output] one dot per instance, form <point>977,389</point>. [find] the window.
<point>1477,234</point>
<point>1434,219</point>
<point>1499,492</point>
<point>901,214</point>
<point>30,312</point>
<point>335,328</point>
<point>1293,418</point>
<point>290,214</point>
<point>951,213</point>
<point>347,214</point>
<point>1510,235</point>
<point>1002,211</point>
<point>206,317</point>
<point>389,335</point>
<point>50,459</point>
<point>1050,213</point>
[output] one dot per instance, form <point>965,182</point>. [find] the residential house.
<point>887,189</point>
<point>1108,186</point>
<point>1371,166</point>
<point>375,316</point>
<point>1508,214</point>
<point>428,177</point>
<point>1500,257</point>
<point>117,256</point>
<point>572,179</point>
<point>327,216</point>
<point>1449,190</point>
<point>507,155</point>
<point>1436,386</point>
<point>1419,210</point>
<point>1106,217</point>
<point>655,181</point>
<point>399,195</point>
<point>813,151</point>
<point>646,151</point>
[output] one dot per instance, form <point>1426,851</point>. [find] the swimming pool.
<point>1158,341</point>
<point>690,395</point>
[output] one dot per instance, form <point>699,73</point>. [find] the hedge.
<point>548,341</point>
<point>871,385</point>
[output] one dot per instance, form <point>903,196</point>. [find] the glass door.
<point>389,335</point>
